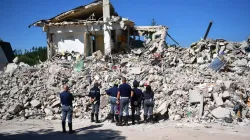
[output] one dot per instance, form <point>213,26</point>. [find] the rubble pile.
<point>185,87</point>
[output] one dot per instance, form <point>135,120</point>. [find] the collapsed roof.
<point>91,12</point>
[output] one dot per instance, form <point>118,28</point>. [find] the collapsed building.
<point>96,26</point>
<point>185,87</point>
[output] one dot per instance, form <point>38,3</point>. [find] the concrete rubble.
<point>180,78</point>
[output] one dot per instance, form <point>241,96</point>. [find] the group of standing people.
<point>119,98</point>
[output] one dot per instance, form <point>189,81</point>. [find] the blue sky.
<point>187,19</point>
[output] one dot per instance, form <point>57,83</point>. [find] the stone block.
<point>15,60</point>
<point>56,103</point>
<point>229,104</point>
<point>15,109</point>
<point>177,117</point>
<point>240,63</point>
<point>227,84</point>
<point>11,67</point>
<point>98,55</point>
<point>220,112</point>
<point>103,102</point>
<point>218,101</point>
<point>35,103</point>
<point>200,60</point>
<point>135,70</point>
<point>3,92</point>
<point>162,108</point>
<point>13,91</point>
<point>48,112</point>
<point>225,94</point>
<point>7,117</point>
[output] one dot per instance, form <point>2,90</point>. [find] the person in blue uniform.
<point>66,99</point>
<point>112,92</point>
<point>148,103</point>
<point>94,95</point>
<point>124,93</point>
<point>136,99</point>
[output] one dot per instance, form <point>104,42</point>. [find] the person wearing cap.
<point>148,103</point>
<point>94,95</point>
<point>136,98</point>
<point>66,99</point>
<point>112,92</point>
<point>124,93</point>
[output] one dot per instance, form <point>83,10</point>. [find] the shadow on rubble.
<point>49,134</point>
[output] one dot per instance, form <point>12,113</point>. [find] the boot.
<point>96,119</point>
<point>92,117</point>
<point>64,127</point>
<point>133,119</point>
<point>151,119</point>
<point>116,118</point>
<point>70,128</point>
<point>126,121</point>
<point>138,119</point>
<point>112,118</point>
<point>119,123</point>
<point>145,118</point>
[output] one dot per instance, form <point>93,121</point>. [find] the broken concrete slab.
<point>230,46</point>
<point>11,67</point>
<point>229,104</point>
<point>220,112</point>
<point>14,90</point>
<point>240,63</point>
<point>104,102</point>
<point>163,107</point>
<point>194,96</point>
<point>200,60</point>
<point>98,55</point>
<point>48,112</point>
<point>170,78</point>
<point>218,101</point>
<point>135,70</point>
<point>35,103</point>
<point>15,60</point>
<point>227,84</point>
<point>7,117</point>
<point>3,92</point>
<point>138,51</point>
<point>56,103</point>
<point>15,109</point>
<point>124,61</point>
<point>226,94</point>
<point>177,117</point>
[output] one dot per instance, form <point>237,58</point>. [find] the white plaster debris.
<point>176,77</point>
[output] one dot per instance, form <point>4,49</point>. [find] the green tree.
<point>32,56</point>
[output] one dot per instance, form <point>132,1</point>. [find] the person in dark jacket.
<point>66,99</point>
<point>112,92</point>
<point>148,103</point>
<point>124,93</point>
<point>136,98</point>
<point>94,95</point>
